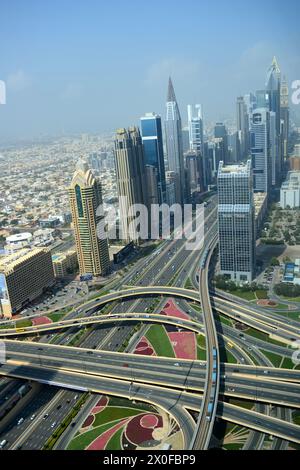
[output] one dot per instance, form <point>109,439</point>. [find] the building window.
<point>79,201</point>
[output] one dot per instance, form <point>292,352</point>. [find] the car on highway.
<point>3,443</point>
<point>46,415</point>
<point>32,417</point>
<point>20,421</point>
<point>53,424</point>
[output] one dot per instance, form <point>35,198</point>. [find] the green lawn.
<point>56,316</point>
<point>23,323</point>
<point>125,402</point>
<point>242,403</point>
<point>201,354</point>
<point>233,446</point>
<point>261,294</point>
<point>287,363</point>
<point>115,442</point>
<point>112,413</point>
<point>81,441</point>
<point>274,358</point>
<point>263,336</point>
<point>201,341</point>
<point>160,341</point>
<point>296,417</point>
<point>188,284</point>
<point>244,295</point>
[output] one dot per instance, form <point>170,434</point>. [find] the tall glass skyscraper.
<point>152,139</point>
<point>260,149</point>
<point>131,179</point>
<point>236,222</point>
<point>173,132</point>
<point>195,122</point>
<point>273,90</point>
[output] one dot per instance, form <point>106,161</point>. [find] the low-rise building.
<point>24,275</point>
<point>260,210</point>
<point>290,191</point>
<point>292,272</point>
<point>64,263</point>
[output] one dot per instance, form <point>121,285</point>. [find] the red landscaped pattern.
<point>41,320</point>
<point>144,347</point>
<point>184,344</point>
<point>171,309</point>
<point>136,433</point>
<point>100,405</point>
<point>89,421</point>
<point>100,442</point>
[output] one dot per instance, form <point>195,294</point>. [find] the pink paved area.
<point>184,344</point>
<point>149,421</point>
<point>172,309</point>
<point>100,442</point>
<point>41,320</point>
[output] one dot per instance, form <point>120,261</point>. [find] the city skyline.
<point>49,78</point>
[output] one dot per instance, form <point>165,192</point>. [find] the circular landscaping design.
<point>137,433</point>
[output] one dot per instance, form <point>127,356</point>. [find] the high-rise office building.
<point>234,146</point>
<point>131,178</point>
<point>195,123</point>
<point>284,116</point>
<point>152,139</point>
<point>242,121</point>
<point>250,102</point>
<point>173,134</point>
<point>152,185</point>
<point>185,139</point>
<point>260,149</point>
<point>192,159</point>
<point>236,222</point>
<point>220,132</point>
<point>85,194</point>
<point>273,86</point>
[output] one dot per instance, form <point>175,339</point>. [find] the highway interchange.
<point>174,264</point>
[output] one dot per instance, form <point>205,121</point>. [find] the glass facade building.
<point>152,139</point>
<point>236,222</point>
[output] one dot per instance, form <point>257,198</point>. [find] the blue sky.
<point>93,66</point>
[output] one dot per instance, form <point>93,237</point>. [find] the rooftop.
<point>10,262</point>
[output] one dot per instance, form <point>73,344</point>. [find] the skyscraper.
<point>195,123</point>
<point>284,116</point>
<point>273,91</point>
<point>130,172</point>
<point>242,121</point>
<point>153,149</point>
<point>85,196</point>
<point>152,184</point>
<point>260,149</point>
<point>173,133</point>
<point>220,132</point>
<point>236,222</point>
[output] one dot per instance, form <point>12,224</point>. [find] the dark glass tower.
<point>152,139</point>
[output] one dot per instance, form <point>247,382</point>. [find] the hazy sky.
<point>93,66</point>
